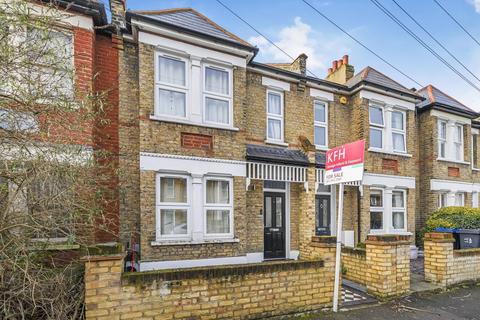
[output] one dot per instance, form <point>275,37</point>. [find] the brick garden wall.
<point>223,292</point>
<point>446,266</point>
<point>354,265</point>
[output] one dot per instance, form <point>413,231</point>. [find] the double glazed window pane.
<point>172,103</point>
<point>459,199</point>
<point>320,114</point>
<point>216,110</point>
<point>216,80</point>
<point>397,120</point>
<point>274,104</point>
<point>218,192</point>
<point>376,115</point>
<point>172,71</point>
<point>398,141</point>
<point>442,134</point>
<point>376,199</point>
<point>398,200</point>
<point>173,190</point>
<point>173,221</point>
<point>458,133</point>
<point>275,129</point>
<point>376,138</point>
<point>376,220</point>
<point>218,221</point>
<point>319,138</point>
<point>398,220</point>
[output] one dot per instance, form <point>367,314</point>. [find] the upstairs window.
<point>398,131</point>
<point>442,139</point>
<point>217,95</point>
<point>458,142</point>
<point>320,124</point>
<point>377,127</point>
<point>274,116</point>
<point>475,150</point>
<point>171,86</point>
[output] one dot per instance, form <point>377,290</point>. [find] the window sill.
<point>475,169</point>
<point>191,242</point>
<point>400,154</point>
<point>191,123</point>
<point>277,143</point>
<point>453,161</point>
<point>382,232</point>
<point>322,148</point>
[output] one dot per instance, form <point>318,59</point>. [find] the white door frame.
<point>288,254</point>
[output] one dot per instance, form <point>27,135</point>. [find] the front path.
<point>455,304</point>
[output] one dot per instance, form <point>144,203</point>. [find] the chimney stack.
<point>341,71</point>
<point>117,8</point>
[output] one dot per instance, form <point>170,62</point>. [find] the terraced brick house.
<point>224,156</point>
<point>448,151</point>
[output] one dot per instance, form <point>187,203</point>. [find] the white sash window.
<point>171,86</point>
<point>217,95</point>
<point>275,116</point>
<point>320,124</point>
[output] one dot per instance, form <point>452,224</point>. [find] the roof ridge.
<point>389,78</point>
<point>214,24</point>
<point>454,99</point>
<point>162,11</point>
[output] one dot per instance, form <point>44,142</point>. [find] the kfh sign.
<point>345,163</point>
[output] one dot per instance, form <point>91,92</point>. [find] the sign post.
<point>344,164</point>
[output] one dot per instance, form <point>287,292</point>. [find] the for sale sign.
<point>345,163</point>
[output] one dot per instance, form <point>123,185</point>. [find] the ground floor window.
<point>388,211</point>
<point>179,213</point>
<point>458,199</point>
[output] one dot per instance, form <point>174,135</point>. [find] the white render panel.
<point>321,94</point>
<point>383,180</point>
<point>187,49</point>
<point>192,165</point>
<point>453,186</point>
<point>395,102</point>
<point>276,84</point>
<point>450,117</point>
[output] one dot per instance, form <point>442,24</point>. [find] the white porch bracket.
<point>248,182</point>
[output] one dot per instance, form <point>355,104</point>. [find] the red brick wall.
<point>197,141</point>
<point>105,131</point>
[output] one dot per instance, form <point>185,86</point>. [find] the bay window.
<point>218,207</point>
<point>320,124</point>
<point>171,86</point>
<point>377,127</point>
<point>275,116</point>
<point>173,207</point>
<point>217,95</point>
<point>388,210</point>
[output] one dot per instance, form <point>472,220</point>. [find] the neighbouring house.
<point>448,153</point>
<point>80,38</point>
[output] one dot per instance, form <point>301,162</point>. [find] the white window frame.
<point>462,194</point>
<point>377,209</point>
<point>321,124</point>
<point>171,87</point>
<point>400,209</point>
<point>173,205</point>
<point>461,143</point>
<point>219,206</point>
<point>276,116</point>
<point>402,131</point>
<point>218,96</point>
<point>440,196</point>
<point>377,126</point>
<point>442,140</point>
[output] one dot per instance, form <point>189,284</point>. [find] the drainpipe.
<point>359,215</point>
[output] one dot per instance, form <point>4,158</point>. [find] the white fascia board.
<point>450,117</point>
<point>388,100</point>
<point>453,186</point>
<point>69,18</point>
<point>388,181</point>
<point>321,94</point>
<point>475,131</point>
<point>194,46</point>
<point>193,165</point>
<point>276,84</point>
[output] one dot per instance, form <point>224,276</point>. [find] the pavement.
<point>462,302</point>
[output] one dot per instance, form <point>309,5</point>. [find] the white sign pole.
<point>339,248</point>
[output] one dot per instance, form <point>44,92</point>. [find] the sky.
<point>296,28</point>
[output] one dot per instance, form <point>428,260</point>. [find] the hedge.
<point>454,217</point>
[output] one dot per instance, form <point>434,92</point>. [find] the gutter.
<point>449,109</point>
<point>375,87</point>
<point>91,8</point>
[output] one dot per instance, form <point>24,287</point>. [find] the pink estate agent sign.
<point>345,163</point>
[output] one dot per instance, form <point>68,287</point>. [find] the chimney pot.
<point>345,59</point>
<point>330,70</point>
<point>339,63</point>
<point>334,65</point>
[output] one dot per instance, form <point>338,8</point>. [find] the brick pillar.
<point>388,265</point>
<point>438,257</point>
<point>102,282</point>
<point>307,209</point>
